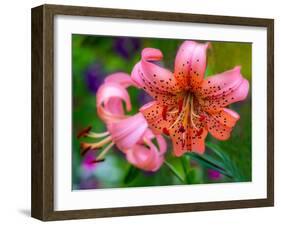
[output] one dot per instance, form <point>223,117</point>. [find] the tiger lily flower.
<point>130,134</point>
<point>186,106</point>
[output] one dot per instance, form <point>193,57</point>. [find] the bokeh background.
<point>95,57</point>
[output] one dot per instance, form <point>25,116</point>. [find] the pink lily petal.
<point>141,157</point>
<point>190,64</point>
<point>120,78</point>
<point>183,63</point>
<point>147,158</point>
<point>136,78</point>
<point>149,135</point>
<point>115,106</point>
<point>221,84</point>
<point>108,96</point>
<point>159,78</point>
<point>198,65</point>
<point>157,81</point>
<point>238,93</point>
<point>127,132</point>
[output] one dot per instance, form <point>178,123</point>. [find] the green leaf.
<point>229,165</point>
<point>131,174</point>
<point>210,162</point>
<point>175,172</point>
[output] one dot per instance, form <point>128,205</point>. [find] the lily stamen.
<point>97,135</point>
<point>186,106</point>
<point>192,113</point>
<point>173,112</point>
<point>98,144</point>
<point>84,132</point>
<point>105,151</point>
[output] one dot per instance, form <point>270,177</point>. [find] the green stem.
<point>175,172</point>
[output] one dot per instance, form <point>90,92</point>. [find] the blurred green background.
<point>95,57</point>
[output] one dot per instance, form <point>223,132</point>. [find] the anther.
<point>84,132</point>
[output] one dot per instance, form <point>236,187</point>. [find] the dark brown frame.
<point>42,203</point>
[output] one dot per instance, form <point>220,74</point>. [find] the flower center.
<point>186,112</point>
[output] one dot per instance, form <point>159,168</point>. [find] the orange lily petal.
<point>153,113</point>
<point>198,140</point>
<point>220,124</point>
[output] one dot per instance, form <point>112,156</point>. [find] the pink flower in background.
<point>214,174</point>
<point>186,106</point>
<point>129,133</point>
<point>148,157</point>
<point>88,162</point>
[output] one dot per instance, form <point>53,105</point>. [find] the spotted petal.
<point>223,89</point>
<point>190,64</point>
<point>157,117</point>
<point>220,124</point>
<point>187,139</point>
<point>155,80</point>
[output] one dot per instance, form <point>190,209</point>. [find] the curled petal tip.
<point>151,54</point>
<point>237,68</point>
<point>208,45</point>
<point>245,85</point>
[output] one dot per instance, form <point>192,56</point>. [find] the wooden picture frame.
<point>42,204</point>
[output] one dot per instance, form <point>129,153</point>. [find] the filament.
<point>104,152</point>
<point>187,112</point>
<point>192,114</point>
<point>98,135</point>
<point>100,143</point>
<point>186,103</point>
<point>173,112</point>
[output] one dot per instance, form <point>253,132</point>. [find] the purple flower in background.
<point>87,167</point>
<point>94,77</point>
<point>213,174</point>
<point>88,162</point>
<point>88,183</point>
<point>126,46</point>
<point>144,98</point>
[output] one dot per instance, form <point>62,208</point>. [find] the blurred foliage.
<point>95,57</point>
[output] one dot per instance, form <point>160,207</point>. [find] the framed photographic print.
<point>141,112</point>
